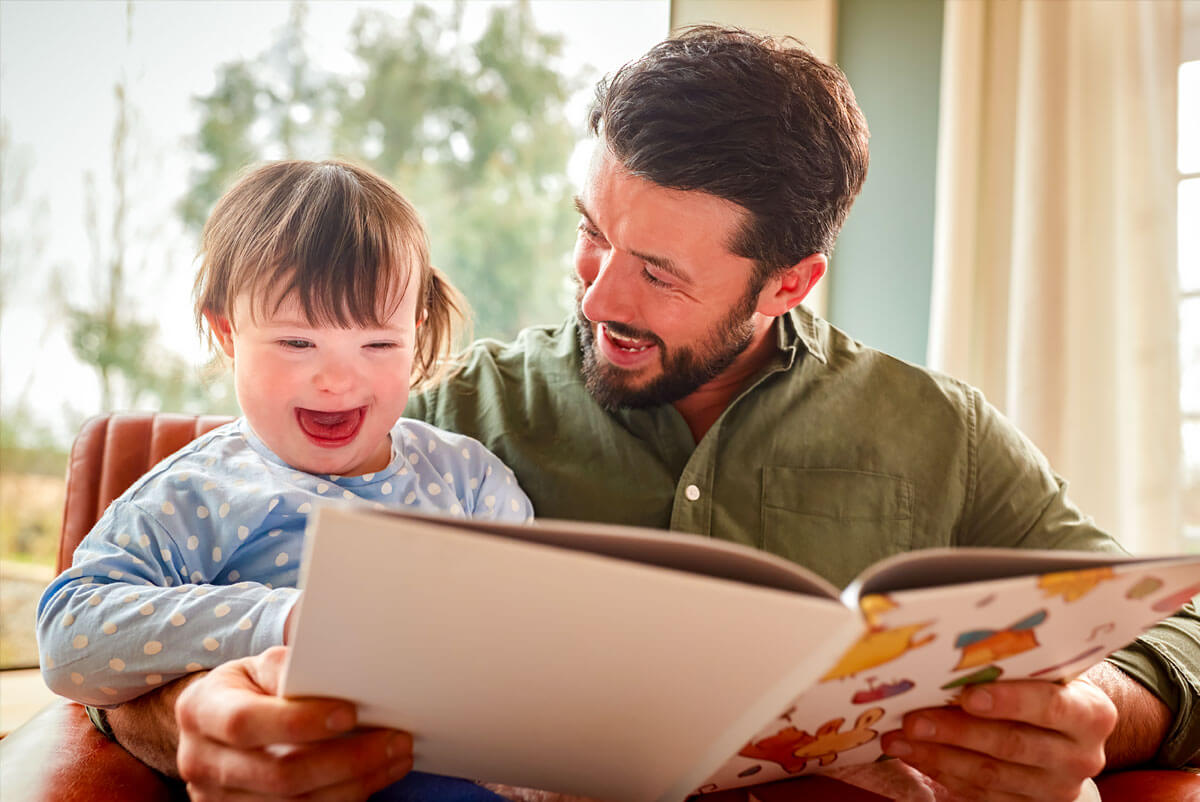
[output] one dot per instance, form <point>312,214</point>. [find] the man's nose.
<point>608,295</point>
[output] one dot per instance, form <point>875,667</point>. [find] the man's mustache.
<point>620,329</point>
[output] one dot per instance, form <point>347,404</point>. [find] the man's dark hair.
<point>764,124</point>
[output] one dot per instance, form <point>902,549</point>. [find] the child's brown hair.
<point>338,237</point>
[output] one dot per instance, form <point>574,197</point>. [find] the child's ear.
<point>222,329</point>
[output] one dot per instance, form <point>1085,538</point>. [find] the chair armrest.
<point>1141,785</point>
<point>58,755</point>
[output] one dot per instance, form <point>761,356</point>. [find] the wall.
<point>811,21</point>
<point>881,271</point>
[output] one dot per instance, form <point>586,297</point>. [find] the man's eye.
<point>654,280</point>
<point>590,232</point>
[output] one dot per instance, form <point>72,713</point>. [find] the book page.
<point>941,567</point>
<point>543,667</point>
<point>923,646</point>
<point>691,553</point>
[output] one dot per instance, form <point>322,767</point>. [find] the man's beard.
<point>684,370</point>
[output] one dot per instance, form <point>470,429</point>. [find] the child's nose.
<point>333,376</point>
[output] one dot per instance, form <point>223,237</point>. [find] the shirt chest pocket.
<point>835,522</point>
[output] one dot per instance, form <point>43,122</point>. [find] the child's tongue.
<point>337,425</point>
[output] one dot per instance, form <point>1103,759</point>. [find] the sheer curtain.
<point>1055,286</point>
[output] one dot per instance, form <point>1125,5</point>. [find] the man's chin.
<point>610,388</point>
<point>615,389</point>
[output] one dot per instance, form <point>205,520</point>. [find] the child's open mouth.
<point>330,429</point>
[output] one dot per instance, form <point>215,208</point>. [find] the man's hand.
<point>1022,740</point>
<point>237,740</point>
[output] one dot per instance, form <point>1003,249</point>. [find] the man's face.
<point>664,308</point>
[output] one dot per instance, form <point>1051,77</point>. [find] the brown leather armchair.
<point>58,755</point>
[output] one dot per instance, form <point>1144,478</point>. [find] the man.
<point>691,391</point>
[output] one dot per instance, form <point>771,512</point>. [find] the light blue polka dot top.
<point>197,562</point>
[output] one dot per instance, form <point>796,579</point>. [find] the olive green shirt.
<point>835,456</point>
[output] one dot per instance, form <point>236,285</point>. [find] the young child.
<point>316,283</point>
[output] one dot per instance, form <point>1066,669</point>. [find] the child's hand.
<point>289,625</point>
<point>238,740</point>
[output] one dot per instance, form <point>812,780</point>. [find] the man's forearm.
<point>1143,720</point>
<point>146,726</point>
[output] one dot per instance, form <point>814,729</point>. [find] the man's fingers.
<point>979,774</point>
<point>265,670</point>
<point>1080,706</point>
<point>234,704</point>
<point>354,765</point>
<point>240,741</point>
<point>350,791</point>
<point>1006,741</point>
<point>1035,740</point>
<point>249,720</point>
<point>979,777</point>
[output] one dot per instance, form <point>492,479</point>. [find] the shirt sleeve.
<point>500,497</point>
<point>1016,500</point>
<point>136,609</point>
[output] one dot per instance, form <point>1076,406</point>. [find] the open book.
<point>635,664</point>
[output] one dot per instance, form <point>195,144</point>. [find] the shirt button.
<point>692,492</point>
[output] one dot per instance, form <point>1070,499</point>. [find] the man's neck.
<point>703,407</point>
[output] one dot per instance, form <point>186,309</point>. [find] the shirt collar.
<point>801,327</point>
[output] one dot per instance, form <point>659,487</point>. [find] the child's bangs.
<point>340,252</point>
<point>354,294</point>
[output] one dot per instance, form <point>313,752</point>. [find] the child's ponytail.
<point>444,321</point>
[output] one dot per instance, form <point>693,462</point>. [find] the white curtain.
<point>1055,285</point>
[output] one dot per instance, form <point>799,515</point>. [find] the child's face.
<point>323,399</point>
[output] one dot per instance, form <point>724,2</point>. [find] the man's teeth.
<point>626,343</point>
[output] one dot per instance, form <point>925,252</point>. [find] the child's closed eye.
<point>296,344</point>
<point>383,345</point>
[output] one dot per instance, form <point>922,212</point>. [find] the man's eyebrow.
<point>661,262</point>
<point>583,212</point>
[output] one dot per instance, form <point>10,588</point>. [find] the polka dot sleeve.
<point>137,608</point>
<point>499,497</point>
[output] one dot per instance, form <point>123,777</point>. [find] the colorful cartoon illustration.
<point>1074,585</point>
<point>1144,587</point>
<point>877,693</point>
<point>982,646</point>
<point>878,645</point>
<point>792,748</point>
<point>1102,629</point>
<point>874,606</point>
<point>989,674</point>
<point>1169,604</point>
<point>1082,655</point>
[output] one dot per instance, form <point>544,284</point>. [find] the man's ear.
<point>788,288</point>
<point>222,329</point>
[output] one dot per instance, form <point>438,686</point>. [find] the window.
<point>1188,221</point>
<point>157,106</point>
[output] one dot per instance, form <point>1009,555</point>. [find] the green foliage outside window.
<point>474,133</point>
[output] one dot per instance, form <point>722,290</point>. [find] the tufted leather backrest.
<point>109,454</point>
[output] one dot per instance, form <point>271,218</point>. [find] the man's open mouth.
<point>330,428</point>
<point>630,344</point>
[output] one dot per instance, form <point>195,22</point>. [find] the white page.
<point>541,667</point>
